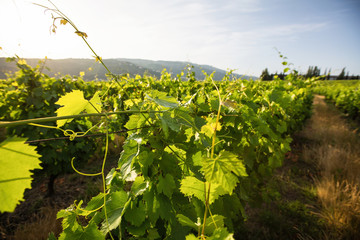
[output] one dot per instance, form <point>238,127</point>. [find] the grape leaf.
<point>115,208</point>
<point>191,186</point>
<point>209,128</point>
<point>185,221</point>
<point>162,99</point>
<point>69,219</point>
<point>94,105</point>
<point>17,159</point>
<point>136,214</point>
<point>152,205</point>
<point>191,237</point>
<point>221,234</point>
<point>212,223</point>
<point>139,186</point>
<point>224,170</point>
<point>73,103</point>
<point>89,232</point>
<point>166,185</point>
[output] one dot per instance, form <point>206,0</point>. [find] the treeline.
<point>313,71</point>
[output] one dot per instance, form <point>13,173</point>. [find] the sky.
<point>242,35</point>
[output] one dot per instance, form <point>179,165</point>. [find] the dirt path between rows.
<point>318,185</point>
<point>335,150</point>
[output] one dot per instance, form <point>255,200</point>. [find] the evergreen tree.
<point>265,76</point>
<point>341,75</point>
<point>313,72</point>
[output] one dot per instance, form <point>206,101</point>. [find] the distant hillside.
<point>94,70</point>
<point>176,67</point>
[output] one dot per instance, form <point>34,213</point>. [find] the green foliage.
<point>29,94</point>
<point>194,151</point>
<point>17,160</point>
<point>345,95</point>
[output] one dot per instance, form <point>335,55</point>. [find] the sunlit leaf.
<point>191,186</point>
<point>89,232</point>
<point>209,128</point>
<point>63,21</point>
<point>98,59</point>
<point>17,160</point>
<point>73,103</point>
<point>22,61</point>
<point>224,170</point>
<point>94,105</point>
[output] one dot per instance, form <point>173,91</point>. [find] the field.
<point>148,158</point>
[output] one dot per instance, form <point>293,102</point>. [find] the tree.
<point>265,76</point>
<point>341,75</point>
<point>313,72</point>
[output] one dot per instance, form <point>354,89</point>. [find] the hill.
<point>94,70</point>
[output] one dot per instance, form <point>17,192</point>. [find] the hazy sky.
<point>228,34</point>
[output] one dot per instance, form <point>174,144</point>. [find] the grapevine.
<point>195,154</point>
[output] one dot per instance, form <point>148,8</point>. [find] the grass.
<point>335,151</point>
<point>318,186</point>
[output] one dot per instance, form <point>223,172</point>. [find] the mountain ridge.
<point>95,71</point>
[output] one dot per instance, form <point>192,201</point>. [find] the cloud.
<point>270,33</point>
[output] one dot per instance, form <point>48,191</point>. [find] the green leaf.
<point>139,186</point>
<point>89,232</point>
<point>191,237</point>
<point>191,186</point>
<point>17,160</point>
<point>163,100</point>
<point>138,231</point>
<point>197,159</point>
<point>73,103</point>
<point>166,185</point>
<point>130,151</point>
<point>152,205</point>
<point>185,221</point>
<point>221,234</point>
<point>51,236</point>
<point>168,122</point>
<point>136,214</point>
<point>69,219</point>
<point>115,207</point>
<point>135,121</point>
<point>209,128</point>
<point>224,170</point>
<point>153,234</point>
<point>212,223</point>
<point>94,105</point>
<point>94,203</point>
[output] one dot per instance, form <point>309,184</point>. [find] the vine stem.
<point>50,119</point>
<point>103,175</point>
<point>207,190</point>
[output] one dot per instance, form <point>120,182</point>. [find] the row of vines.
<point>344,94</point>
<point>195,154</point>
